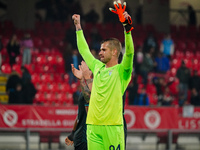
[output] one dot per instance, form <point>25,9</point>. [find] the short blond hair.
<point>114,44</point>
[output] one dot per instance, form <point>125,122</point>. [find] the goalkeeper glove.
<point>119,10</point>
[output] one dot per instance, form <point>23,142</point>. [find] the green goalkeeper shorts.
<point>105,137</point>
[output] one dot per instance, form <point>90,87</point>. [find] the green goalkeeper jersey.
<point>109,84</point>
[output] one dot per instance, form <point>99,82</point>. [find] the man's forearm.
<point>85,90</point>
<point>89,83</point>
<point>84,48</point>
<point>129,51</point>
<point>78,27</point>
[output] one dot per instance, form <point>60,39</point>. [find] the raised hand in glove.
<point>120,11</point>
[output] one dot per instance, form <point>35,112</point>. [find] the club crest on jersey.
<point>110,72</point>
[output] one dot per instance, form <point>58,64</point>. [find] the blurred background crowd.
<point>35,63</point>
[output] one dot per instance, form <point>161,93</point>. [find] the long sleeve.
<point>127,61</point>
<point>84,49</point>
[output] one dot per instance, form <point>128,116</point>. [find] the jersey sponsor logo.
<point>10,117</point>
<point>152,119</point>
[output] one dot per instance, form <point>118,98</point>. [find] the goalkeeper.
<point>110,80</point>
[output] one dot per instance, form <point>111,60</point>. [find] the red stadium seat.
<point>35,78</point>
<point>46,78</point>
<point>60,69</point>
<point>74,87</point>
<point>66,78</point>
<point>39,97</point>
<point>191,45</point>
<point>62,98</point>
<point>51,60</point>
<point>41,59</point>
<point>5,41</point>
<point>188,62</point>
<point>176,63</point>
<point>196,64</point>
<point>58,78</point>
<point>173,72</point>
<point>153,99</point>
<point>42,87</point>
<point>48,68</point>
<point>181,45</point>
<point>70,99</point>
<point>65,87</point>
<point>19,60</point>
<point>189,54</point>
<point>30,68</point>
<point>197,54</point>
<point>198,46</point>
<point>47,43</point>
<point>59,60</point>
<point>37,42</point>
<point>39,68</point>
<point>150,88</point>
<point>6,68</point>
<point>17,68</point>
<point>50,98</point>
<point>179,54</point>
<point>54,87</point>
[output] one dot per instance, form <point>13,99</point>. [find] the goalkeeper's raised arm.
<point>81,42</point>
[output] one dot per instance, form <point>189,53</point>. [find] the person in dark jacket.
<point>192,16</point>
<point>13,49</point>
<point>183,74</point>
<point>195,98</point>
<point>142,99</point>
<point>28,88</point>
<point>14,88</point>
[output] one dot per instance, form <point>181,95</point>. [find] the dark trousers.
<point>82,146</point>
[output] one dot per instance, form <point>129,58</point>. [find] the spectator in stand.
<point>181,100</point>
<point>167,98</point>
<point>195,81</point>
<point>75,58</point>
<point>160,85</point>
<point>94,53</point>
<point>14,88</point>
<point>76,7</point>
<point>92,16</point>
<point>95,39</point>
<point>146,66</point>
<point>138,59</point>
<point>28,88</point>
<point>132,90</point>
<point>162,63</point>
<point>1,47</point>
<point>107,16</point>
<point>52,11</point>
<point>183,74</point>
<point>192,16</point>
<point>26,76</point>
<point>138,15</point>
<point>13,49</point>
<point>70,35</point>
<point>26,44</point>
<point>150,42</point>
<point>142,98</point>
<point>195,98</point>
<point>76,95</point>
<point>167,46</point>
